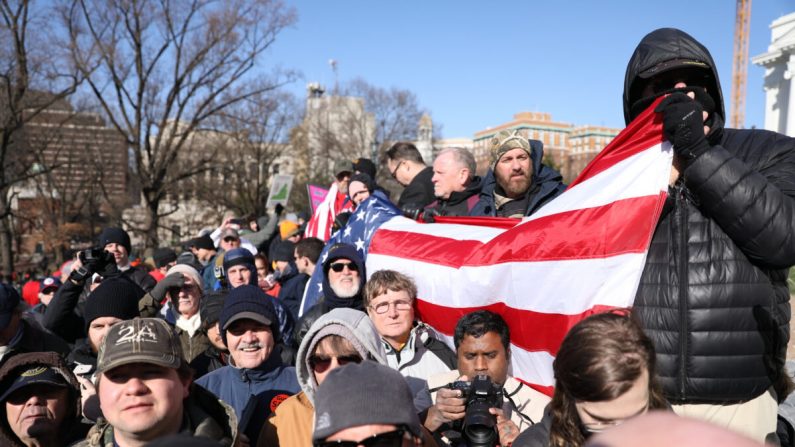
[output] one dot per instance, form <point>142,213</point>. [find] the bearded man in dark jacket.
<point>713,295</point>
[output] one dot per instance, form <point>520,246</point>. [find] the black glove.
<point>429,215</point>
<point>683,123</point>
<point>279,209</point>
<point>411,211</point>
<point>172,281</point>
<point>108,269</point>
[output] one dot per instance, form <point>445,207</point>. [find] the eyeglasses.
<point>388,439</point>
<point>321,363</point>
<point>340,266</point>
<point>397,166</point>
<point>400,305</point>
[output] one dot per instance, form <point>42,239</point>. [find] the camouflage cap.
<point>506,140</point>
<point>342,166</point>
<point>141,340</point>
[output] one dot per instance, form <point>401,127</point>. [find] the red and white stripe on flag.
<point>583,253</point>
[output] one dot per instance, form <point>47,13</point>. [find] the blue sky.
<point>474,64</point>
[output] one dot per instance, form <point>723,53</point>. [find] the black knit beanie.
<point>115,297</point>
<point>117,235</point>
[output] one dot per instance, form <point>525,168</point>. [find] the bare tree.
<point>364,119</point>
<point>396,111</point>
<point>159,70</point>
<point>251,137</point>
<point>32,79</point>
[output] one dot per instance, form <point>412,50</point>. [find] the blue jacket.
<point>546,184</point>
<point>253,393</point>
<point>292,291</point>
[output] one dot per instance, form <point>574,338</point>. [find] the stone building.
<point>779,63</point>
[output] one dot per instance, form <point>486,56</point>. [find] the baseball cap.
<point>247,302</point>
<point>141,340</point>
<point>49,282</point>
<point>230,232</point>
<point>35,375</point>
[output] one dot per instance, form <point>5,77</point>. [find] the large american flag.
<point>581,254</point>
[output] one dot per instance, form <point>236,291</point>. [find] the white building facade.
<point>779,63</point>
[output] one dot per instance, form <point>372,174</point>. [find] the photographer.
<point>116,241</point>
<point>64,314</point>
<point>482,342</point>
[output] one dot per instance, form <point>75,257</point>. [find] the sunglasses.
<point>388,439</point>
<point>340,266</point>
<point>230,239</point>
<point>321,363</point>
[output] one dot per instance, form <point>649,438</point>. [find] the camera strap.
<point>515,407</point>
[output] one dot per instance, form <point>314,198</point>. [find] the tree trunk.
<point>6,238</point>
<point>152,206</point>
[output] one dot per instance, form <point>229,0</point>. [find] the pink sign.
<point>316,195</point>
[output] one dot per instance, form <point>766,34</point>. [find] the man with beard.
<point>343,286</point>
<point>518,184</point>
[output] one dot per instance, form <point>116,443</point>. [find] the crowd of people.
<point>213,346</point>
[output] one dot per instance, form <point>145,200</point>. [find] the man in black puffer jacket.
<point>713,295</point>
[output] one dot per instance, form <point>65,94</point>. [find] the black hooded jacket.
<point>713,295</point>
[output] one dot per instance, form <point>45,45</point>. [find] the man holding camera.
<point>482,342</point>
<point>116,241</point>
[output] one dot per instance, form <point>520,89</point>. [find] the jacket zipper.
<point>683,283</point>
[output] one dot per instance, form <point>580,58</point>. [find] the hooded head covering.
<point>663,50</point>
<point>354,326</point>
<point>343,251</point>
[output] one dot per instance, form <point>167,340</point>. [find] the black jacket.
<point>419,192</point>
<point>460,203</point>
<point>141,277</point>
<point>713,295</point>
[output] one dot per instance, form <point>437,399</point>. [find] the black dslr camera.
<point>94,260</point>
<point>479,426</point>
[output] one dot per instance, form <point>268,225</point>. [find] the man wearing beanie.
<point>255,382</point>
<point>116,241</point>
<point>164,259</point>
<point>338,337</point>
<point>240,269</point>
<point>216,355</point>
<point>344,279</point>
<point>360,188</point>
<point>364,402</point>
<point>517,184</point>
<point>115,300</point>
